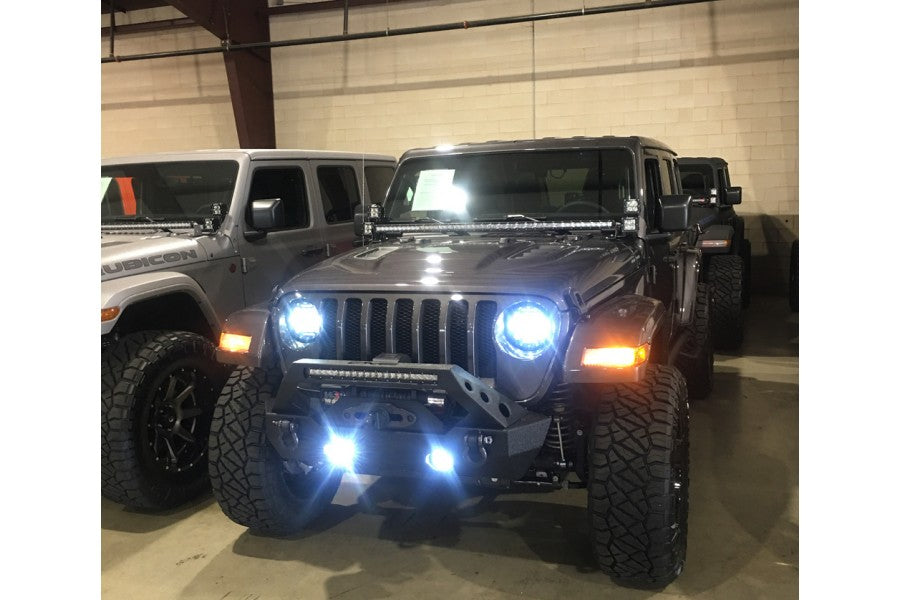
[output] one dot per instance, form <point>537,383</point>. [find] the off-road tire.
<point>156,428</point>
<point>747,281</point>
<point>638,479</point>
<point>794,277</point>
<point>695,361</point>
<point>113,360</point>
<point>249,479</point>
<point>725,274</point>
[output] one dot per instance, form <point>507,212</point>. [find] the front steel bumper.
<point>396,413</point>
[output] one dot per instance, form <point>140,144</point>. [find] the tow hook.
<point>476,451</point>
<point>287,431</point>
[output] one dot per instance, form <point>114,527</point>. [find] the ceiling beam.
<point>249,72</point>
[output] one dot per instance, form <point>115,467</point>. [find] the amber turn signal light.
<point>108,314</point>
<point>615,357</point>
<point>232,342</point>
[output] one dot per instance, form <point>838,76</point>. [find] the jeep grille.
<point>436,330</point>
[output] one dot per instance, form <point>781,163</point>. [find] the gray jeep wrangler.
<point>726,251</point>
<point>185,240</point>
<point>521,314</point>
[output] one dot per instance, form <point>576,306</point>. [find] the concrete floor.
<point>379,541</point>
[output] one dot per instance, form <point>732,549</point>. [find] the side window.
<point>378,180</point>
<point>723,178</point>
<point>340,195</point>
<point>287,184</point>
<point>668,180</point>
<point>654,187</point>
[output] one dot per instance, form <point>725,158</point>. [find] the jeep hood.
<point>542,265</point>
<point>128,254</point>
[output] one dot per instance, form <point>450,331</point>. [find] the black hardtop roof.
<point>633,142</point>
<point>702,160</point>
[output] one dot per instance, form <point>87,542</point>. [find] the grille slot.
<point>457,326</point>
<point>403,328</point>
<point>377,324</point>
<point>429,330</point>
<point>352,326</point>
<point>485,353</point>
<point>329,328</point>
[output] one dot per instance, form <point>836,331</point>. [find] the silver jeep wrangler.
<point>187,239</point>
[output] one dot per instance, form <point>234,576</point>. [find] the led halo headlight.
<point>299,322</point>
<point>525,330</point>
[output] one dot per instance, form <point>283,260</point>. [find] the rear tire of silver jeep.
<point>156,426</point>
<point>638,479</point>
<point>249,479</point>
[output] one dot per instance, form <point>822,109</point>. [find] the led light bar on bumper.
<point>350,374</point>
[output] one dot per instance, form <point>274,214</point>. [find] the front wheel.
<point>253,485</point>
<point>638,478</point>
<point>155,429</point>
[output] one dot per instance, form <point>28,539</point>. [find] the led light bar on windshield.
<point>148,225</point>
<point>517,226</point>
<point>371,375</point>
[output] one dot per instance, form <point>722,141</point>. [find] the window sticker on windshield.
<point>433,189</point>
<point>104,185</point>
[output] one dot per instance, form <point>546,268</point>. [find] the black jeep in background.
<point>520,314</point>
<point>726,251</point>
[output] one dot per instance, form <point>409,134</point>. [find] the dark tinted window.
<point>287,184</point>
<point>378,179</point>
<point>167,190</point>
<point>696,180</point>
<point>654,189</point>
<point>668,182</point>
<point>337,187</point>
<point>723,178</point>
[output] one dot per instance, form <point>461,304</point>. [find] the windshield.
<point>696,180</point>
<point>556,185</point>
<point>166,191</point>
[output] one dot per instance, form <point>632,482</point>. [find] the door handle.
<point>311,250</point>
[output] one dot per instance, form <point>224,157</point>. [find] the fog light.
<point>440,460</point>
<point>341,453</point>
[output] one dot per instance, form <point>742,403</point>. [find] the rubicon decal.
<point>147,261</point>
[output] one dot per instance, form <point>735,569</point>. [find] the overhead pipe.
<point>346,15</point>
<point>112,28</point>
<point>228,47</point>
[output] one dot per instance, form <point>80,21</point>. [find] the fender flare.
<point>254,322</point>
<point>126,291</point>
<point>716,239</point>
<point>629,321</point>
<point>687,276</point>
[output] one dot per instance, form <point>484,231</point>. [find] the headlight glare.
<point>299,323</point>
<point>525,330</point>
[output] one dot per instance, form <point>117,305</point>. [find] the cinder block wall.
<point>717,78</point>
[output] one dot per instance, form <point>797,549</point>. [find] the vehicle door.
<point>337,186</point>
<point>271,258</point>
<point>658,181</point>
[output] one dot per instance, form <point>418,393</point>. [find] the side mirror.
<point>267,214</point>
<point>674,212</point>
<point>733,195</point>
